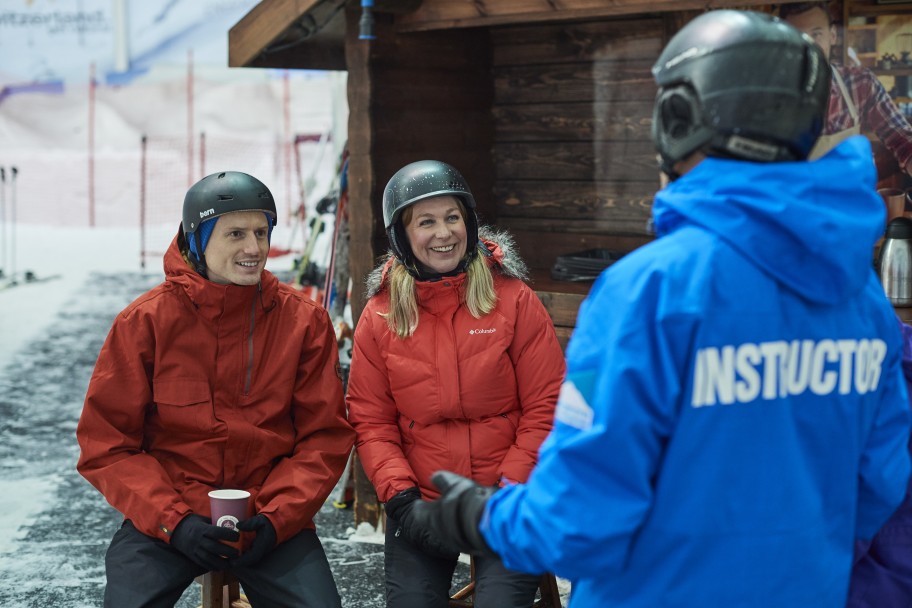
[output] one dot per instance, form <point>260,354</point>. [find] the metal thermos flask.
<point>895,263</point>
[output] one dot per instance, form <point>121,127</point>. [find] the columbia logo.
<point>481,331</point>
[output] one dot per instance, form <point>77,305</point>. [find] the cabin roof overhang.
<point>310,34</point>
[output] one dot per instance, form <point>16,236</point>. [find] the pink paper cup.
<point>228,507</point>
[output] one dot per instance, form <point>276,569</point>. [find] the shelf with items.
<point>872,8</point>
<point>903,71</point>
<point>879,37</point>
<point>862,40</point>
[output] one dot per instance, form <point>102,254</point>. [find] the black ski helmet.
<point>418,181</point>
<point>218,194</point>
<point>739,84</point>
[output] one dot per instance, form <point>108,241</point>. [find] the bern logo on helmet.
<point>206,213</point>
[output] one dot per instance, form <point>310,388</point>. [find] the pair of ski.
<point>9,277</point>
<point>28,278</point>
<point>8,226</point>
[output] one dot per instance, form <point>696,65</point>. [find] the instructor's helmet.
<point>418,181</point>
<point>216,195</point>
<point>739,84</point>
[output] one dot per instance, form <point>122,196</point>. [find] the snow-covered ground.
<point>55,527</point>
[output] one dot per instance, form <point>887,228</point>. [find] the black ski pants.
<point>146,572</point>
<point>415,579</point>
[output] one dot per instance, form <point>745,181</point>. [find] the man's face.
<point>816,24</point>
<point>236,252</point>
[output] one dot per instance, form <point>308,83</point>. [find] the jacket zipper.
<point>250,347</point>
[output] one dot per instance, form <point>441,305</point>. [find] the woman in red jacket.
<point>455,366</point>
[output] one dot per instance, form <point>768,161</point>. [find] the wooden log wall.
<point>574,161</point>
<point>573,156</point>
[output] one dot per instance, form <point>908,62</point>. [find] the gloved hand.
<point>454,517</point>
<point>199,540</point>
<point>399,510</point>
<point>263,542</point>
<point>402,503</point>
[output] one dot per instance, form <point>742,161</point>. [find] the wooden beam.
<point>263,25</point>
<point>445,14</point>
<point>362,186</point>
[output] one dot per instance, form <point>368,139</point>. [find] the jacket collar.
<point>499,253</point>
<point>213,299</point>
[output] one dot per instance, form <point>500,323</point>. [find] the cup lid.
<point>899,228</point>
<point>229,494</point>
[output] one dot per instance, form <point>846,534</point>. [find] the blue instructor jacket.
<point>734,413</point>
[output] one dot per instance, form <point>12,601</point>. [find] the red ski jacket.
<point>474,396</point>
<point>202,386</point>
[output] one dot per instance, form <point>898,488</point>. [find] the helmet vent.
<point>225,197</point>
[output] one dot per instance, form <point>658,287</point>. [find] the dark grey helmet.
<point>418,181</point>
<point>739,84</point>
<point>218,194</point>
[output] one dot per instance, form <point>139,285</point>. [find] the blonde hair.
<point>402,319</point>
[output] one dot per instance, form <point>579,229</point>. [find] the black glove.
<point>399,510</point>
<point>199,540</point>
<point>263,542</point>
<point>454,517</point>
<point>402,503</point>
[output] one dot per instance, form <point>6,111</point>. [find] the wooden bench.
<point>221,590</point>
<point>547,589</point>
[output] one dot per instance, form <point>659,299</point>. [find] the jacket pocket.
<point>183,404</point>
<point>512,417</point>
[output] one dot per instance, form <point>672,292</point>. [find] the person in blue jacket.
<point>882,573</point>
<point>734,414</point>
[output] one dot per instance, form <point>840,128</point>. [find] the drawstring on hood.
<point>272,304</point>
<point>813,225</point>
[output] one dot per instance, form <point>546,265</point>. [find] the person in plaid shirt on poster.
<point>858,101</point>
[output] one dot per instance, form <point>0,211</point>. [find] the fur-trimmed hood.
<point>499,251</point>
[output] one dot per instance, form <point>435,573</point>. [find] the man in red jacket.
<point>220,377</point>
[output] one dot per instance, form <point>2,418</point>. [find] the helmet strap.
<point>666,166</point>
<point>198,262</point>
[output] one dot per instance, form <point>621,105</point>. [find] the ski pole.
<point>13,172</point>
<point>331,268</point>
<point>2,221</point>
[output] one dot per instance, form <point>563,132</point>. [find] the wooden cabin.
<point>545,107</point>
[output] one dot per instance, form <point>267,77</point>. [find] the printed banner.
<point>58,40</point>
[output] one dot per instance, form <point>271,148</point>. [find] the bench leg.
<point>221,590</point>
<point>550,594</point>
<point>547,589</point>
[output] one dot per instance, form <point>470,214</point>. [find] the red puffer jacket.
<point>474,396</point>
<point>202,386</point>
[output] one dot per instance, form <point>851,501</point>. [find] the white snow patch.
<point>21,503</point>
